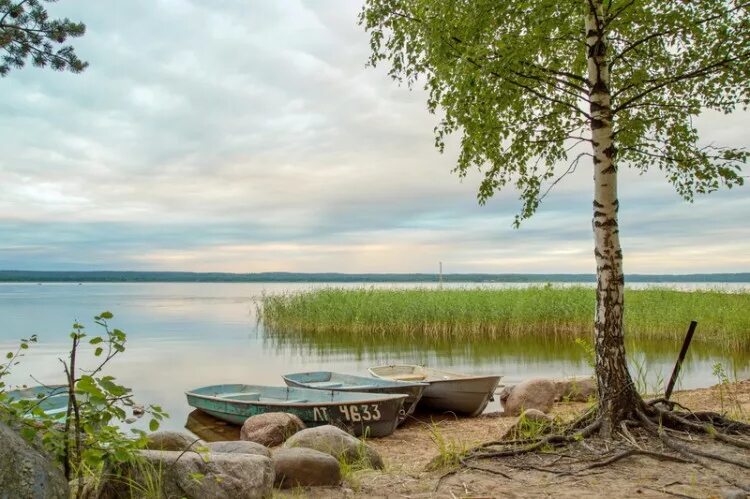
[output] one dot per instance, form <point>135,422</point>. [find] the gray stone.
<point>301,467</point>
<point>27,473</point>
<point>536,393</point>
<point>193,476</point>
<point>505,393</point>
<point>531,422</point>
<point>733,494</point>
<point>239,447</point>
<point>575,389</point>
<point>271,429</point>
<point>337,443</point>
<point>173,440</point>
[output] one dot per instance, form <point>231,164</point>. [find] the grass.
<point>450,451</point>
<point>560,313</point>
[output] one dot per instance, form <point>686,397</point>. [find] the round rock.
<point>301,467</point>
<point>173,440</point>
<point>271,429</point>
<point>337,443</point>
<point>239,447</point>
<point>575,389</point>
<point>539,393</point>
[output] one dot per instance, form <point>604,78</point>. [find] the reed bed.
<point>560,313</point>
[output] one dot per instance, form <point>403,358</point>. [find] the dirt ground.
<point>410,450</point>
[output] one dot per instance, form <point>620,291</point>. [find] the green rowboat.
<point>52,399</point>
<point>370,414</point>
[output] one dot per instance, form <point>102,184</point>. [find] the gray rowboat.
<point>370,414</point>
<point>327,380</point>
<point>448,391</point>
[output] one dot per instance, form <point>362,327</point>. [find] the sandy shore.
<point>412,447</point>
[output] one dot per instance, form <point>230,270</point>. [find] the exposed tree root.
<point>664,421</point>
<point>632,452</point>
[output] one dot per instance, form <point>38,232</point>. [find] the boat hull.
<point>447,391</point>
<point>372,415</point>
<point>361,384</point>
<point>467,397</point>
<point>52,399</point>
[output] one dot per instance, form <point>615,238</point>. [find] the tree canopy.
<point>26,32</point>
<point>511,77</point>
<point>529,84</point>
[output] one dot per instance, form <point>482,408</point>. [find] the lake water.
<point>182,336</point>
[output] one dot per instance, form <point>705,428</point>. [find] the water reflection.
<point>211,429</point>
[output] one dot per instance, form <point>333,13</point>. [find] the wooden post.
<point>680,358</point>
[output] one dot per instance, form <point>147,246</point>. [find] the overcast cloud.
<point>248,136</point>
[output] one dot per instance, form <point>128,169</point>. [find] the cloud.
<point>249,136</point>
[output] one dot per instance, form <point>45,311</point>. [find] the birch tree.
<point>538,88</point>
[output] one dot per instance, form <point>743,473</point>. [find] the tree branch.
<point>696,73</point>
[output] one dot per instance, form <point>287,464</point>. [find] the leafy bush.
<point>91,430</point>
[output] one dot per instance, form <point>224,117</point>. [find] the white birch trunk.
<point>617,395</point>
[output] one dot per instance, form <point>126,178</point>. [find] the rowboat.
<point>370,414</point>
<point>52,399</point>
<point>447,391</point>
<point>327,380</point>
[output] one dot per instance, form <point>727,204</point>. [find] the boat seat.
<point>406,377</point>
<point>326,384</point>
<point>240,396</point>
<point>279,399</point>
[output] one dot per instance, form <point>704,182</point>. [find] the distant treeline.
<point>123,276</point>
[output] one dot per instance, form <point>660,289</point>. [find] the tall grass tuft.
<point>561,313</point>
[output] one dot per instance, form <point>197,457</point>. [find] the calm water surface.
<point>181,336</point>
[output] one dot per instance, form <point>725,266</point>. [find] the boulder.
<point>271,429</point>
<point>733,494</point>
<point>538,393</point>
<point>337,443</point>
<point>27,472</point>
<point>173,440</point>
<point>505,393</point>
<point>190,475</point>
<point>301,467</point>
<point>575,389</point>
<point>239,447</point>
<point>530,423</point>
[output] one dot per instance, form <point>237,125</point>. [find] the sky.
<point>249,136</point>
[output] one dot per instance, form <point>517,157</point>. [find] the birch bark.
<point>617,395</point>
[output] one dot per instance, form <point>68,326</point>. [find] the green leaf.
<point>28,433</point>
<point>96,340</point>
<point>98,351</point>
<point>9,355</point>
<point>121,455</point>
<point>106,315</point>
<point>153,425</point>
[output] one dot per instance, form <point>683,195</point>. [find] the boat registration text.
<point>352,413</point>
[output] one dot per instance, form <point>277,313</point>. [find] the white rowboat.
<point>447,391</point>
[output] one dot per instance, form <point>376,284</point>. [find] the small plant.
<point>450,451</point>
<point>728,397</point>
<point>641,378</point>
<point>349,467</point>
<point>531,428</point>
<point>588,349</point>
